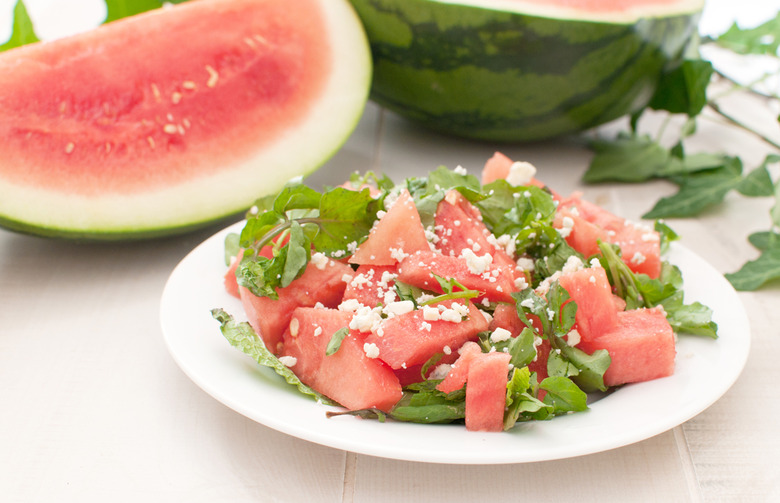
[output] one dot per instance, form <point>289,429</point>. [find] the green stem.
<point>736,122</point>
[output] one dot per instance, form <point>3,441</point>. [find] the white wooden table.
<point>94,408</point>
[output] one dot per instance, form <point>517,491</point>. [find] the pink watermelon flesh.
<point>496,283</point>
<point>458,225</point>
<point>371,284</point>
<point>641,345</point>
<point>408,339</point>
<point>498,168</point>
<point>231,284</point>
<point>486,392</point>
<point>399,232</point>
<point>460,369</point>
<point>94,125</point>
<point>640,246</point>
<point>348,376</point>
<point>270,317</point>
<point>590,289</point>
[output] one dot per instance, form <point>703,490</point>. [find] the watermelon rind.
<point>185,204</point>
<point>512,70</point>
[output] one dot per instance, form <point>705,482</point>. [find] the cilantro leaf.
<point>243,337</point>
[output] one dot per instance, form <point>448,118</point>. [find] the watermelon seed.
<point>69,147</point>
<point>213,76</point>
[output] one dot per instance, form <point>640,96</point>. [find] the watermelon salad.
<point>454,299</point>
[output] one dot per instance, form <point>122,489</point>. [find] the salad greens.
<point>299,222</point>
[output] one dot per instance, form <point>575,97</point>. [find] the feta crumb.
<point>400,307</point>
<point>638,258</point>
<point>288,361</point>
<point>431,313</point>
<point>526,264</point>
<point>573,264</point>
<point>440,371</point>
<point>476,265</point>
<point>371,350</point>
<point>460,170</point>
<point>573,337</point>
<point>425,326</point>
<point>320,260</point>
<point>447,350</point>
<point>521,173</point>
<point>317,331</point>
<point>568,225</point>
<point>350,305</point>
<point>521,283</point>
<point>451,315</point>
<point>500,334</point>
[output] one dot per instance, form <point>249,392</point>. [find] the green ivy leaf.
<point>763,39</point>
<point>684,89</point>
<point>756,273</point>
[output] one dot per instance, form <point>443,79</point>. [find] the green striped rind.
<point>494,75</point>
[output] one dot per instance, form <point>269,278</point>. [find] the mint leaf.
<point>764,240</point>
<point>297,256</point>
<point>684,89</point>
<point>243,337</point>
<point>22,31</point>
<point>757,183</point>
<point>345,216</point>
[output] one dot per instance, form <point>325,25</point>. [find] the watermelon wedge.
<point>175,118</point>
<point>519,70</point>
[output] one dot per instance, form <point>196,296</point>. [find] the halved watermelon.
<point>522,69</point>
<point>174,118</point>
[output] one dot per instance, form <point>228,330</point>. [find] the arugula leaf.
<point>22,31</point>
<point>335,341</point>
<point>243,337</point>
<point>564,395</point>
<point>430,406</point>
<point>521,404</point>
<point>521,348</point>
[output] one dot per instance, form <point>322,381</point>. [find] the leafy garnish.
<point>243,337</point>
<point>22,31</point>
<point>335,341</point>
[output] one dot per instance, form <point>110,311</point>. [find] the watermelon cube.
<point>320,282</point>
<point>496,283</point>
<point>641,345</point>
<point>640,246</point>
<point>349,376</point>
<point>372,284</point>
<point>460,369</point>
<point>458,225</point>
<point>413,338</point>
<point>486,392</point>
<point>397,233</point>
<point>590,289</point>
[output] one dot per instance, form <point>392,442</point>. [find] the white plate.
<point>705,369</point>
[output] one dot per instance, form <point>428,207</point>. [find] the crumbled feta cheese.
<point>317,331</point>
<point>288,361</point>
<point>398,254</point>
<point>573,264</point>
<point>476,264</point>
<point>460,170</point>
<point>500,334</point>
<point>521,283</point>
<point>451,315</point>
<point>350,305</point>
<point>400,307</point>
<point>638,258</point>
<point>521,173</point>
<point>440,371</point>
<point>320,260</point>
<point>431,313</point>
<point>568,225</point>
<point>371,350</point>
<point>425,326</point>
<point>526,264</point>
<point>573,337</point>
<point>447,350</point>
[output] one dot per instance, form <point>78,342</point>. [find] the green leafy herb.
<point>22,31</point>
<point>762,39</point>
<point>243,337</point>
<point>335,341</point>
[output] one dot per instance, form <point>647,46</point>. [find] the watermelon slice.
<point>349,376</point>
<point>174,118</point>
<point>412,338</point>
<point>590,289</point>
<point>398,233</point>
<point>486,392</point>
<point>522,69</point>
<point>641,346</point>
<point>270,317</point>
<point>460,369</point>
